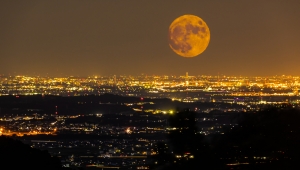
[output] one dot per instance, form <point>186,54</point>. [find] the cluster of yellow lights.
<point>128,131</point>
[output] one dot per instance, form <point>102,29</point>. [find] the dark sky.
<point>107,37</point>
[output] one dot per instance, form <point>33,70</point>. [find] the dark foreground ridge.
<point>15,155</point>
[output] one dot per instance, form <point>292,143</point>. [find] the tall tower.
<point>115,80</point>
<point>218,79</point>
<point>187,78</point>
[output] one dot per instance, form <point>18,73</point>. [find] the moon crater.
<point>189,36</point>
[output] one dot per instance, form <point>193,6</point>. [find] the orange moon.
<point>189,36</point>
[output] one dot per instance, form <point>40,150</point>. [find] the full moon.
<point>189,36</point>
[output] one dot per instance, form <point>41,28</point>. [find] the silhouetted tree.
<point>266,139</point>
<point>190,149</point>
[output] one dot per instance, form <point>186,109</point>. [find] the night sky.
<point>108,37</point>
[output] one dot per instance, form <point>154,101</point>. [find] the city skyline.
<point>59,38</point>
